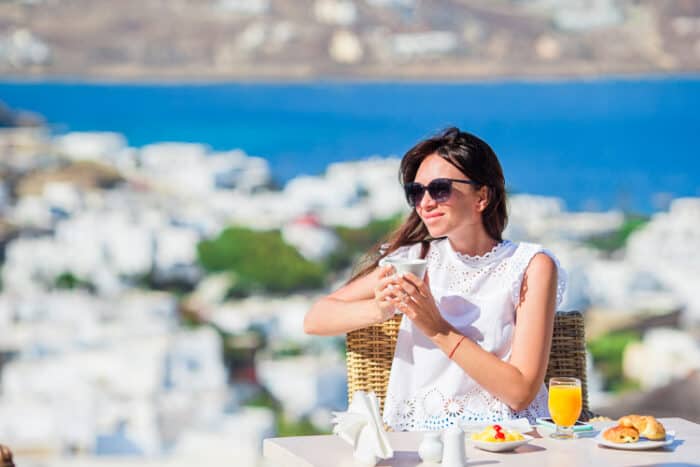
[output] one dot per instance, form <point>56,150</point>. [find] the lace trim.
<point>463,278</point>
<point>522,261</point>
<point>436,411</point>
<point>479,259</point>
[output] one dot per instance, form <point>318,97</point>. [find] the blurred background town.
<point>181,179</point>
<point>366,39</point>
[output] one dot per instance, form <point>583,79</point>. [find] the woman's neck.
<point>476,243</point>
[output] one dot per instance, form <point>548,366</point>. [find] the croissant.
<point>621,434</point>
<point>647,425</point>
<point>653,429</point>
<point>630,421</point>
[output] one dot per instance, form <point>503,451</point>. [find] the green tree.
<point>357,241</point>
<point>615,240</point>
<point>259,261</point>
<point>607,352</point>
<point>68,280</point>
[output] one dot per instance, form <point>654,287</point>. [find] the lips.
<point>433,216</point>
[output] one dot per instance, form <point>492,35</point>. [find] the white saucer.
<point>640,445</point>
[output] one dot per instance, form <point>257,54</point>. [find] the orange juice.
<point>565,404</point>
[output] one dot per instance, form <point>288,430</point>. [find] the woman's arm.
<point>361,303</point>
<point>517,381</point>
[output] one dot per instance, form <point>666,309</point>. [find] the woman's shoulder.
<point>538,261</point>
<point>529,250</point>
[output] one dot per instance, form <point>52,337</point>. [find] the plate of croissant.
<point>636,432</point>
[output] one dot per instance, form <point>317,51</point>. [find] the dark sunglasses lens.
<point>414,193</point>
<point>440,190</point>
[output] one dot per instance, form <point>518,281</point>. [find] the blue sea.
<point>597,144</point>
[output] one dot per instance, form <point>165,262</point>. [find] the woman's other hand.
<point>384,294</point>
<point>358,304</point>
<point>415,300</point>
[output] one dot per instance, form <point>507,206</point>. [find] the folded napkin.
<point>521,425</point>
<point>362,427</point>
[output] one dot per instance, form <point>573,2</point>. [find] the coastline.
<point>166,81</point>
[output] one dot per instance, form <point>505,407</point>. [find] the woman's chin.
<point>437,226</point>
<point>436,232</point>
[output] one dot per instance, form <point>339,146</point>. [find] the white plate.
<point>640,445</point>
<point>498,446</point>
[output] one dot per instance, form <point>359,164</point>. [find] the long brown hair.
<point>475,159</point>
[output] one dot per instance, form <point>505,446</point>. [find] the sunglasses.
<point>439,189</point>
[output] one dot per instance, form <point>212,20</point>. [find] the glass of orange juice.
<point>564,405</point>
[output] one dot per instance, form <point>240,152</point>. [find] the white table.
<point>331,451</point>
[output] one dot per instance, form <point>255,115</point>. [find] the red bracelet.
<point>455,347</point>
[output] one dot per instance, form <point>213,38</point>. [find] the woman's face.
<point>462,211</point>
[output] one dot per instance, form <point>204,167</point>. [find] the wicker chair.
<point>370,351</point>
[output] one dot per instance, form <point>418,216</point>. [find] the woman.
<point>475,338</point>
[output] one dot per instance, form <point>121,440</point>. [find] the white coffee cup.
<point>403,266</point>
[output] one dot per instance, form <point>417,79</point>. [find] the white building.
<point>247,7</point>
<point>93,146</point>
<point>103,244</point>
<point>22,48</point>
<point>131,392</point>
<point>306,383</point>
<point>436,43</point>
<point>4,197</point>
<point>340,12</point>
<point>310,238</point>
<point>392,3</point>
<point>282,319</point>
<point>587,14</point>
<point>669,247</point>
<point>190,170</point>
<point>663,356</point>
<point>345,47</point>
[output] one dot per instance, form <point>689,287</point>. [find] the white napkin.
<point>521,425</point>
<point>362,427</point>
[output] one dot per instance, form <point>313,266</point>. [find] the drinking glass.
<point>564,405</point>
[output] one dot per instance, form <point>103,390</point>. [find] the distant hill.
<point>10,118</point>
<point>368,39</point>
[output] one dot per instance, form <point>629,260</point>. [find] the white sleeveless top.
<point>477,295</point>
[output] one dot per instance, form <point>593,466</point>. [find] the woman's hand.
<point>416,301</point>
<point>385,293</point>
